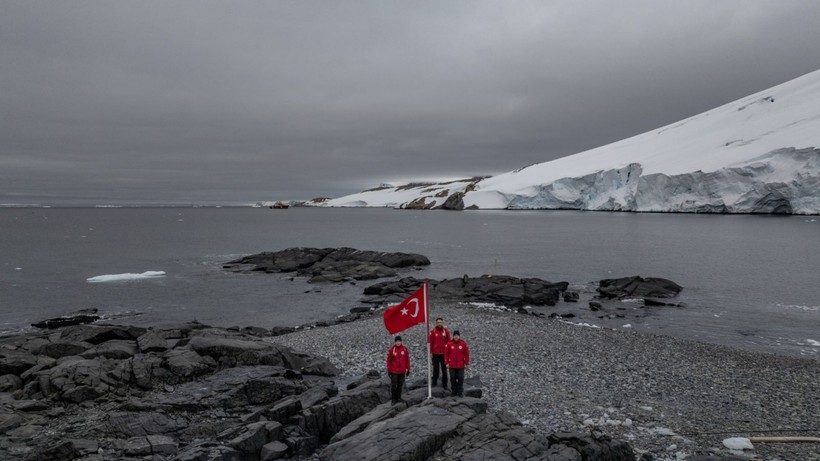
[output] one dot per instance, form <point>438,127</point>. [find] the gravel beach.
<point>668,397</point>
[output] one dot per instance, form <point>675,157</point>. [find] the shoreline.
<point>665,395</point>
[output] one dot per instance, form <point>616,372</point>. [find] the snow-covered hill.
<point>760,154</point>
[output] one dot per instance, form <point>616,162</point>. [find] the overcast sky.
<point>205,102</point>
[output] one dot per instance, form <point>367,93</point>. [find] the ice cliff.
<point>760,154</point>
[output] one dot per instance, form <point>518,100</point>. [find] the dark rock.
<point>380,413</point>
<point>255,331</point>
<point>328,264</point>
<point>416,433</point>
<point>360,309</point>
<point>318,393</point>
<point>30,405</point>
<point>320,367</point>
<point>162,444</point>
<point>63,451</point>
<point>143,423</point>
<point>137,446</point>
<point>64,348</point>
<point>10,383</point>
<point>273,450</point>
<point>565,315</point>
<point>98,334</point>
<point>284,409</point>
<point>68,320</point>
<point>9,421</point>
<point>143,367</point>
<point>499,289</point>
<point>595,306</point>
<point>571,297</point>
<point>78,379</point>
<point>116,349</point>
<point>278,331</point>
<point>594,446</point>
<point>187,363</point>
<point>255,436</point>
<point>654,302</point>
<point>15,362</point>
<point>454,202</point>
<point>638,287</point>
<point>209,451</point>
<point>81,394</point>
<point>369,376</point>
<point>151,341</point>
<point>329,417</point>
<point>473,392</point>
<point>271,389</point>
<point>299,442</point>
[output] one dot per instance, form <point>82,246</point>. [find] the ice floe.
<point>127,276</point>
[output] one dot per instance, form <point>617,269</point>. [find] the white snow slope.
<point>760,154</point>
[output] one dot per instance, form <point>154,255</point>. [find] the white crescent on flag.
<point>416,313</point>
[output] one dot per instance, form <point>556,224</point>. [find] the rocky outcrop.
<point>328,264</point>
<point>193,392</point>
<point>454,202</point>
<point>503,290</point>
<point>638,287</point>
<point>447,428</point>
<point>78,318</point>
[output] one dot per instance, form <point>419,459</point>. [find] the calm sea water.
<point>750,281</point>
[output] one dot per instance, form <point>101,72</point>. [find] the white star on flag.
<point>404,311</point>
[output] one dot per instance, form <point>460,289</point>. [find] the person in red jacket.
<point>398,367</point>
<point>438,339</point>
<point>457,358</point>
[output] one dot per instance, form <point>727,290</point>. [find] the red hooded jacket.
<point>457,354</point>
<point>438,339</point>
<point>398,360</point>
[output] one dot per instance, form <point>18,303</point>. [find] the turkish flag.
<point>407,313</point>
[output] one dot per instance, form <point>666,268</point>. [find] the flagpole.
<point>427,338</point>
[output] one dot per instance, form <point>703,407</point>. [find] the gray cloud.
<point>194,101</point>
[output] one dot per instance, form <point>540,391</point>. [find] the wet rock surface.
<point>638,287</point>
<point>77,318</point>
<point>192,392</point>
<point>328,264</point>
<point>504,290</point>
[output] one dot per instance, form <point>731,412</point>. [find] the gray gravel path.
<point>668,397</point>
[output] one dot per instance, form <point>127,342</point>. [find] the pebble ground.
<point>668,397</point>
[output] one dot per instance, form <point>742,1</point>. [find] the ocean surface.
<point>750,282</point>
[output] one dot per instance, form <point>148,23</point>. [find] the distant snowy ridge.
<point>760,154</point>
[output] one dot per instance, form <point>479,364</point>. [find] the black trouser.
<point>396,385</point>
<point>438,364</point>
<point>457,381</point>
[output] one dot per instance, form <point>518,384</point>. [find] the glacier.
<point>759,154</point>
<point>785,181</point>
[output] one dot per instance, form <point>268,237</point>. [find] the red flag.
<point>407,313</point>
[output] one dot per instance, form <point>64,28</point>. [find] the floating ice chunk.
<point>18,268</point>
<point>738,443</point>
<point>813,342</point>
<point>128,276</point>
<point>628,325</point>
